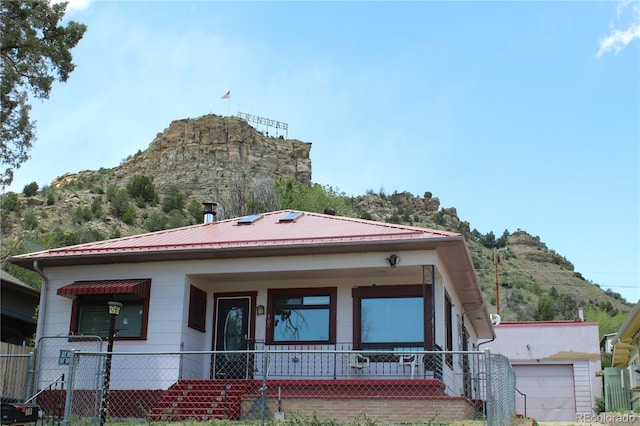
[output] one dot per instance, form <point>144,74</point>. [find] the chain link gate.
<point>53,379</point>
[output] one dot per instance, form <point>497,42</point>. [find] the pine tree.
<point>35,51</point>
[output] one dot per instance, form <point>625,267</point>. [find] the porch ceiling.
<point>464,283</point>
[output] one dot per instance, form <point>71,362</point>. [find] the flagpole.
<point>227,96</point>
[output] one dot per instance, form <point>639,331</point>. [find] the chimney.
<point>209,212</point>
<point>581,314</point>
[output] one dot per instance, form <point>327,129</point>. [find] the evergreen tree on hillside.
<point>35,51</point>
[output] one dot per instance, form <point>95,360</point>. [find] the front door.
<point>233,323</point>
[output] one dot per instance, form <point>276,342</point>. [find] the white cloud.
<point>620,8</point>
<point>618,39</point>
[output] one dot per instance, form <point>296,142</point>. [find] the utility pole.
<point>495,267</point>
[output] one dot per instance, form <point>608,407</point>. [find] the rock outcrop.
<point>207,154</point>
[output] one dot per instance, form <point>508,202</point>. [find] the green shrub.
<point>59,238</point>
<point>173,199</point>
<point>129,215</point>
<point>315,198</point>
<point>6,225</point>
<point>111,192</point>
<point>30,190</point>
<point>176,220</point>
<point>51,196</point>
<point>155,222</point>
<point>30,221</point>
<point>82,214</point>
<point>10,202</point>
<point>545,310</point>
<point>196,209</point>
<point>96,207</point>
<point>119,202</point>
<point>141,189</point>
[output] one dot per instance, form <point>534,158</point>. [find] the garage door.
<point>550,392</point>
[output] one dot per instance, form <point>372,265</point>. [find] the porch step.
<point>201,400</point>
<point>353,389</point>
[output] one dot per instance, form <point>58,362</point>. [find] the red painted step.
<point>201,400</point>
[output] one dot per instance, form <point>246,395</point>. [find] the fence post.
<point>181,362</point>
<point>70,378</point>
<point>489,392</point>
<point>28,388</point>
<point>263,389</point>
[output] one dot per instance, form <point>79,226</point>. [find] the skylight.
<point>291,217</point>
<point>248,220</point>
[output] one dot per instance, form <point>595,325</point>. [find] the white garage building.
<point>556,365</point>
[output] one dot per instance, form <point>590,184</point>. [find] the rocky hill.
<point>224,159</point>
<point>206,157</point>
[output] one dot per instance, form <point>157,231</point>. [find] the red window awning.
<point>138,287</point>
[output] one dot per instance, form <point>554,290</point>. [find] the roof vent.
<point>291,217</point>
<point>248,220</point>
<point>330,210</point>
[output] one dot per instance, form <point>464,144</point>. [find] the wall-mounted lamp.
<point>260,310</point>
<point>393,260</point>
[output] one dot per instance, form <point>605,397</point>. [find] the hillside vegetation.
<point>534,282</point>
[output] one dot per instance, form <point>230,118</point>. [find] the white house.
<point>555,364</point>
<point>274,280</point>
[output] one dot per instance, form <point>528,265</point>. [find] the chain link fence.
<point>500,388</point>
<point>323,383</point>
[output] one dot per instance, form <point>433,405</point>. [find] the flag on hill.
<point>226,95</point>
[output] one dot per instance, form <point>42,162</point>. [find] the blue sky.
<point>522,115</point>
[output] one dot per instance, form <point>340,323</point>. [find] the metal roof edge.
<point>150,255</point>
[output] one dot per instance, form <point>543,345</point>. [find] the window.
<point>197,309</point>
<point>392,317</point>
<point>89,313</point>
<point>448,325</point>
<point>301,315</point>
<point>92,316</point>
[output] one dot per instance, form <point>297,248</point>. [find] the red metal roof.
<point>311,229</point>
<point>138,287</point>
